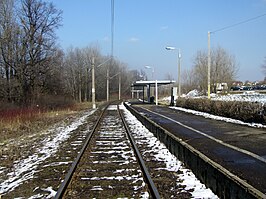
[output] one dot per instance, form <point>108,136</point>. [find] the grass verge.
<point>18,122</point>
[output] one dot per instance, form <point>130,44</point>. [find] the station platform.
<point>239,149</point>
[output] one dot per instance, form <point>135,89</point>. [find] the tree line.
<point>77,66</point>
<point>33,67</point>
<point>224,69</point>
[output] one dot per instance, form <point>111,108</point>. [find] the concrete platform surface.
<point>239,149</point>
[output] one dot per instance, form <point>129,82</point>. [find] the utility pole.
<point>87,83</point>
<point>119,87</point>
<point>112,47</point>
<point>93,83</point>
<point>209,65</point>
<point>156,92</point>
<point>107,83</point>
<point>179,68</point>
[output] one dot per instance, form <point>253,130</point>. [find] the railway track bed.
<point>109,167</point>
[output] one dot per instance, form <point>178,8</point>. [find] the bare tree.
<point>38,21</point>
<point>223,68</point>
<point>169,76</point>
<point>53,82</point>
<point>264,68</point>
<point>200,67</point>
<point>8,46</point>
<point>73,72</point>
<point>88,53</point>
<point>77,71</point>
<point>189,81</point>
<point>32,66</point>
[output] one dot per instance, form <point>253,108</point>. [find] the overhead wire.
<point>112,47</point>
<point>112,26</point>
<point>239,23</point>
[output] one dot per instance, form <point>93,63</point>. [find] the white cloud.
<point>133,39</point>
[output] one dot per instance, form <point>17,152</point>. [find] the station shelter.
<point>151,88</point>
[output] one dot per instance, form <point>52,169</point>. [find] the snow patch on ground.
<point>49,190</point>
<point>215,117</point>
<point>249,96</point>
<point>193,93</point>
<point>172,163</point>
<point>25,169</point>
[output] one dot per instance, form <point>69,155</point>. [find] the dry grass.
<point>20,134</point>
<point>19,122</point>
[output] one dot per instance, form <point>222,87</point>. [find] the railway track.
<point>109,164</point>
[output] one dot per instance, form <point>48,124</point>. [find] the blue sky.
<point>143,28</point>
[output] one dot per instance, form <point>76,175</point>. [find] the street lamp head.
<point>170,48</point>
<point>152,68</point>
<point>179,66</point>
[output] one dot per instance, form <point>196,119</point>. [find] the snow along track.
<point>171,177</point>
<point>109,168</point>
<point>224,162</point>
<point>27,167</point>
<point>107,165</point>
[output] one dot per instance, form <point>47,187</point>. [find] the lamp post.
<point>152,72</point>
<point>179,67</point>
<point>156,85</point>
<point>93,84</point>
<point>93,79</point>
<point>119,83</point>
<point>209,65</point>
<point>119,87</point>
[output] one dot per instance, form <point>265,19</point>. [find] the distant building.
<point>221,88</point>
<point>248,83</point>
<point>237,83</point>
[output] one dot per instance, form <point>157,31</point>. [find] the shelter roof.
<point>153,82</point>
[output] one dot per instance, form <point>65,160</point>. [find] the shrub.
<point>54,102</point>
<point>21,114</point>
<point>244,111</point>
<point>12,112</point>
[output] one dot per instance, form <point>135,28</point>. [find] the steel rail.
<point>147,177</point>
<point>64,185</point>
<point>243,184</point>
